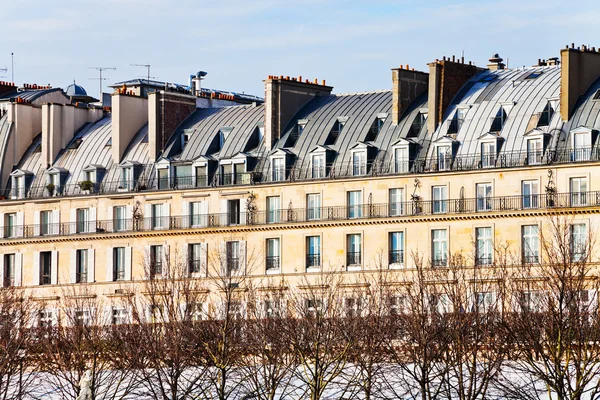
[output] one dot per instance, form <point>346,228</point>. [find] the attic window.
<point>374,129</point>
<point>534,75</point>
<point>498,120</point>
<point>456,121</point>
<point>295,134</point>
<point>596,95</point>
<point>223,137</point>
<point>185,138</point>
<point>546,115</point>
<point>75,144</point>
<point>334,133</point>
<point>417,125</point>
<point>38,148</point>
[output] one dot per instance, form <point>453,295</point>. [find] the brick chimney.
<point>496,63</point>
<point>580,68</point>
<point>407,85</point>
<point>446,77</point>
<point>7,87</point>
<point>284,97</point>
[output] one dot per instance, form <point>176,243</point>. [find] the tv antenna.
<point>147,66</point>
<point>100,70</point>
<point>5,69</point>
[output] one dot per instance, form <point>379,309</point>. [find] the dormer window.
<point>318,166</point>
<point>163,169</point>
<point>417,125</point>
<point>534,75</point>
<point>546,115</point>
<point>359,162</point>
<point>488,154</point>
<point>185,138</point>
<point>444,157</point>
<point>183,176</point>
<point>375,129</point>
<point>582,145</point>
<point>278,169</point>
<point>334,133</point>
<point>55,181</point>
<point>127,176</point>
<point>296,133</point>
<point>401,159</point>
<point>534,151</point>
<point>456,121</point>
<point>498,121</point>
<point>223,133</point>
<point>20,181</point>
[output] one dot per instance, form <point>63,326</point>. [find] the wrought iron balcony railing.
<point>313,260</point>
<point>272,263</point>
<point>396,257</point>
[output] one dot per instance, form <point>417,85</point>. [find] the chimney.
<point>496,63</point>
<point>445,80</point>
<point>283,99</point>
<point>553,62</point>
<point>129,115</point>
<point>59,124</point>
<point>7,87</point>
<point>580,68</point>
<point>407,85</point>
<point>166,110</point>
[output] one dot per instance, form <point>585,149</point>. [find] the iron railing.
<point>272,262</point>
<point>313,260</point>
<point>353,258</point>
<point>396,257</point>
<point>194,266</point>
<point>416,207</point>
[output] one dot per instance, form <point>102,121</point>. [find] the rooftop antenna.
<point>12,67</point>
<point>147,66</point>
<point>3,70</point>
<point>100,70</point>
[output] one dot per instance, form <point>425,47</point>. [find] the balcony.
<point>409,209</point>
<point>313,260</point>
<point>272,263</point>
<point>483,260</point>
<point>396,257</point>
<point>353,258</point>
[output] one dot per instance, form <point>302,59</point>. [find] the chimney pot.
<point>407,67</point>
<point>323,82</point>
<point>300,78</point>
<point>572,45</point>
<point>453,58</point>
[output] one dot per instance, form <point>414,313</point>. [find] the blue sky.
<point>351,44</point>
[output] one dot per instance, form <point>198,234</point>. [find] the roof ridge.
<point>366,92</point>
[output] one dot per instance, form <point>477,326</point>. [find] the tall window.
<point>396,202</point>
<point>156,261</point>
<point>233,212</point>
<point>534,151</point>
<point>439,194</point>
<point>530,191</point>
<point>45,268</point>
<point>578,242</point>
<point>158,218</point>
<point>484,196</point>
<point>318,166</point>
<point>396,255</point>
<point>582,147</point>
<point>273,255</point>
<point>195,258</point>
<point>401,160</point>
<point>359,163</point>
<point>443,158</point>
<point>126,181</point>
<point>488,155</point>
<point>82,317</point>
<point>313,251</point>
<point>119,263</point>
<point>119,316</point>
<point>278,165</point>
<point>354,254</point>
<point>83,220</point>
<point>498,121</point>
<point>439,247</point>
<point>233,257</point>
<point>578,188</point>
<point>163,178</point>
<point>273,209</point>
<point>120,218</point>
<point>484,246</point>
<point>196,216</point>
<point>46,226</point>
<point>10,225</point>
<point>9,270</point>
<point>313,202</point>
<point>354,204</point>
<point>81,266</point>
<point>530,243</point>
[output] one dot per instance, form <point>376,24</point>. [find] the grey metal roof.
<point>29,95</point>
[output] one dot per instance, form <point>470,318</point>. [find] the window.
<point>118,263</point>
<point>485,246</point>
<point>582,147</point>
<point>578,188</point>
<point>222,138</point>
<point>278,169</point>
<point>359,163</point>
<point>156,261</point>
<point>159,221</point>
<point>273,209</point>
<point>488,155</point>
<point>417,125</point>
<point>233,257</point>
<point>531,301</point>
<point>233,212</point>
<point>353,254</point>
<point>197,218</point>
<point>81,266</point>
<point>9,270</point>
<point>498,121</point>
<point>397,305</point>
<point>201,176</point>
<point>396,255</point>
<point>353,306</point>
<point>374,129</point>
<point>401,160</point>
<point>46,225</point>
<point>534,151</point>
<point>294,135</point>
<point>534,74</point>
<point>546,115</point>
<point>313,251</point>
<point>484,196</point>
<point>530,192</point>
<point>439,194</point>
<point>45,268</point>
<point>195,258</point>
<point>439,247</point>
<point>530,244</point>
<point>578,242</point>
<point>18,189</point>
<point>484,301</point>
<point>183,176</point>
<point>10,225</point>
<point>163,178</point>
<point>119,316</point>
<point>195,311</point>
<point>120,218</point>
<point>444,158</point>
<point>334,133</point>
<point>82,318</point>
<point>354,204</point>
<point>313,203</point>
<point>314,307</point>
<point>45,319</point>
<point>273,257</point>
<point>318,166</point>
<point>396,202</point>
<point>185,138</point>
<point>156,313</point>
<point>83,220</point>
<point>126,181</point>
